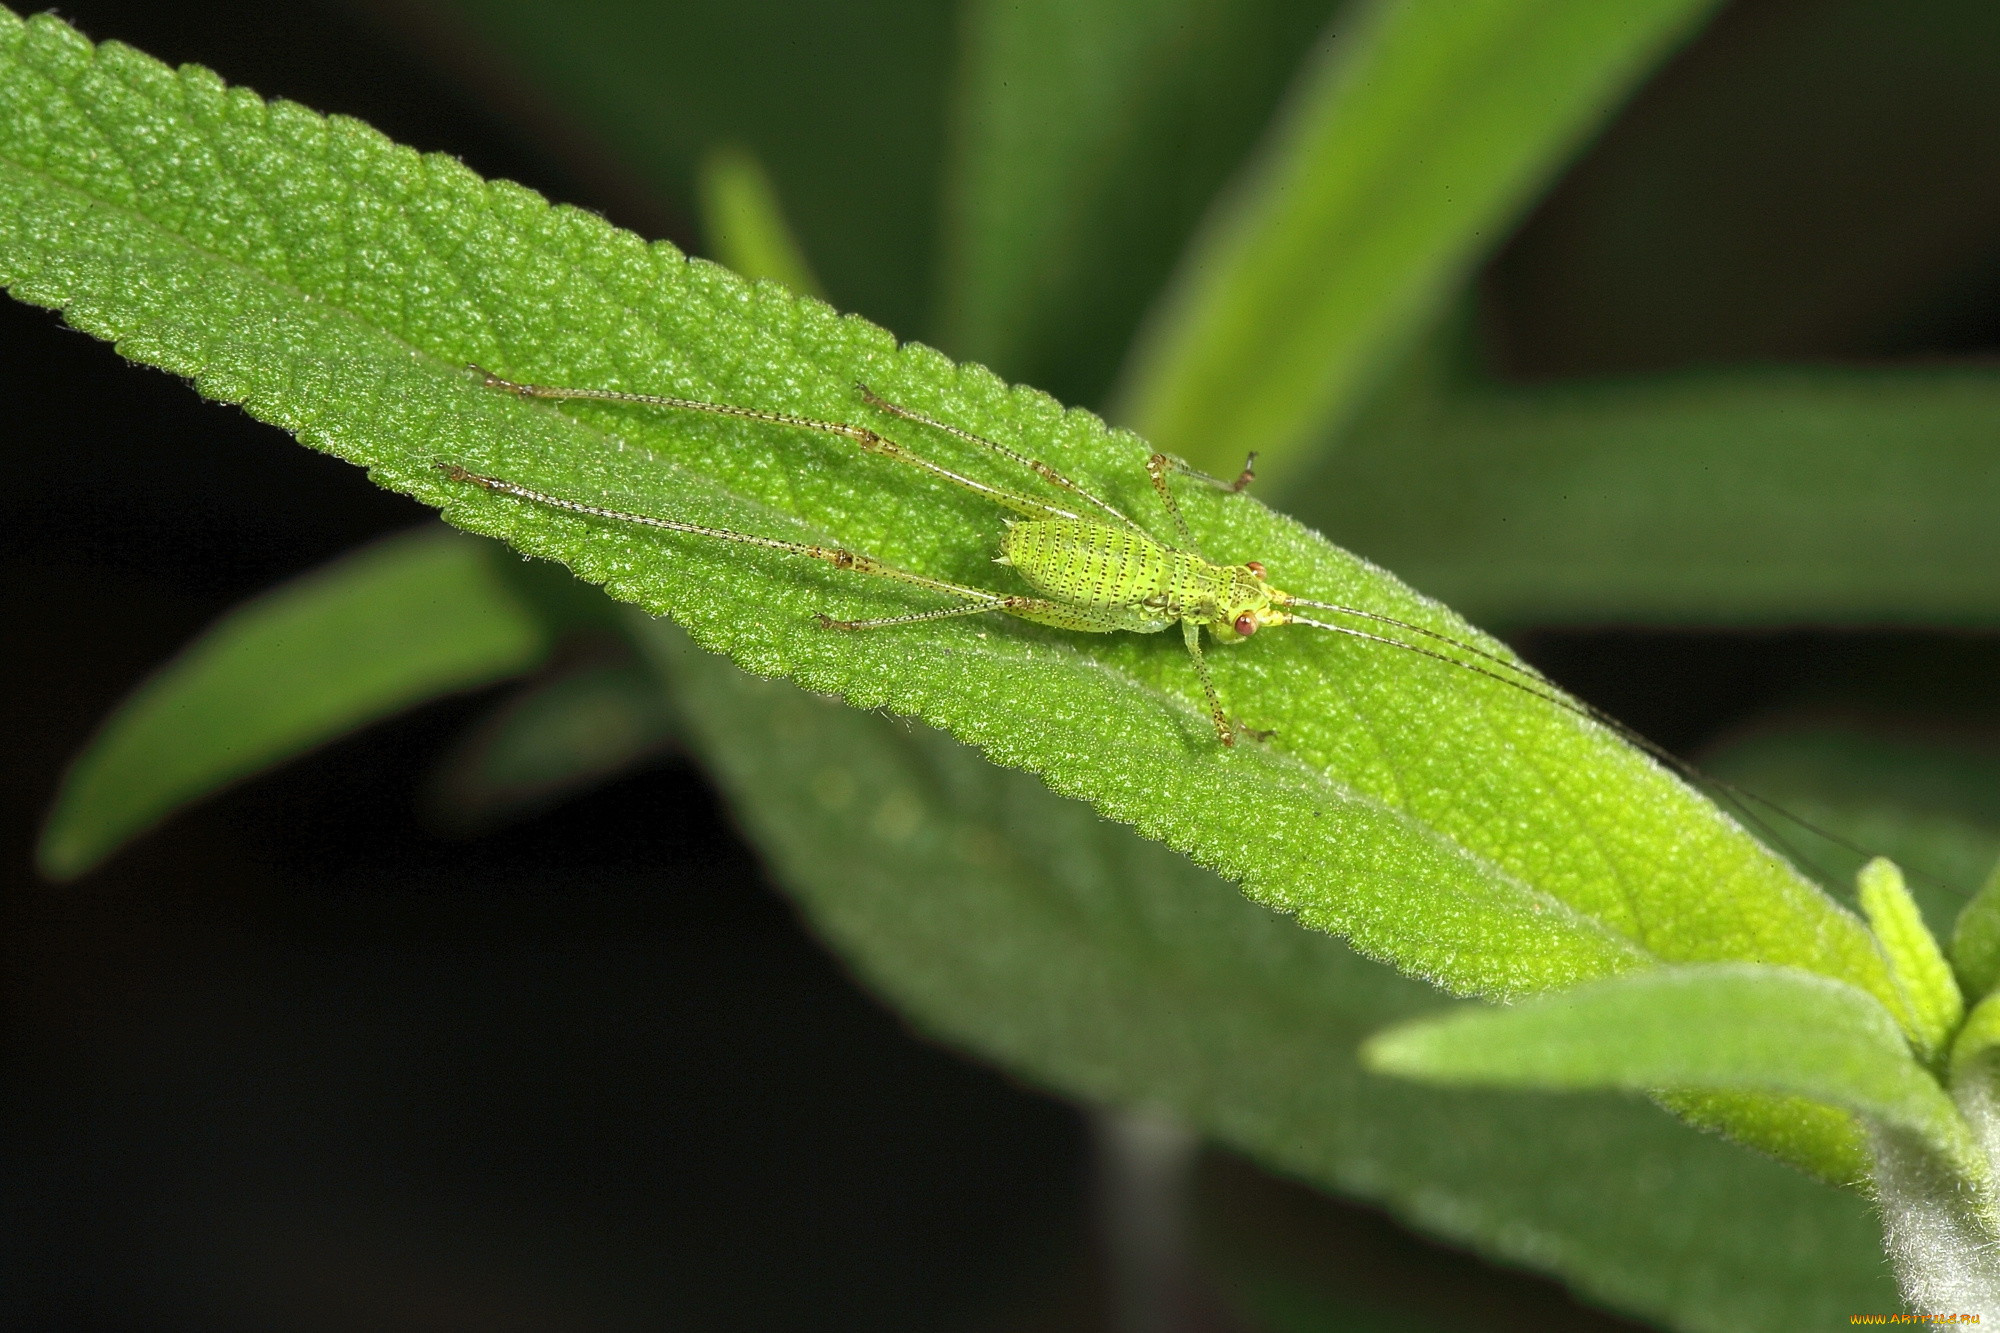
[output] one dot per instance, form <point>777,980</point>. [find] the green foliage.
<point>1090,137</point>
<point>1975,942</point>
<point>845,104</point>
<point>335,284</point>
<point>1978,1039</point>
<point>1933,806</point>
<point>1932,1005</point>
<point>744,224</point>
<point>1729,497</point>
<point>1012,923</point>
<point>554,739</point>
<point>1473,836</point>
<point>1418,135</point>
<point>389,626</point>
<point>1731,1026</point>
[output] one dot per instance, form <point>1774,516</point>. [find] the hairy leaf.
<point>1407,148</point>
<point>1019,926</point>
<point>336,284</point>
<point>407,619</point>
<point>1933,1006</point>
<point>1980,1037</point>
<point>1732,1026</point>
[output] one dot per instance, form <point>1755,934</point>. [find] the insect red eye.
<point>1255,567</point>
<point>1246,624</point>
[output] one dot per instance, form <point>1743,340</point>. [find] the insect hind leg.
<point>1034,465</point>
<point>1009,603</point>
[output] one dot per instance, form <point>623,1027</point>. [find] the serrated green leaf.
<point>1408,147</point>
<point>336,284</point>
<point>1019,926</point>
<point>1740,496</point>
<point>1089,138</point>
<point>1933,1006</point>
<point>744,225</point>
<point>410,618</point>
<point>1730,1026</point>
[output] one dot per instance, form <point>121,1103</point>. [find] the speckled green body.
<point>1106,578</point>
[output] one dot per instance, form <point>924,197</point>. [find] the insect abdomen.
<point>1089,563</point>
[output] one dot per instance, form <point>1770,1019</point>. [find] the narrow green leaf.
<point>1751,496</point>
<point>1933,1005</point>
<point>1022,927</point>
<point>336,285</point>
<point>1738,1026</point>
<point>410,618</point>
<point>743,222</point>
<point>1975,941</point>
<point>554,739</point>
<point>1090,136</point>
<point>1409,146</point>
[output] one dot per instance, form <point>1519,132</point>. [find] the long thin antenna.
<point>1532,682</point>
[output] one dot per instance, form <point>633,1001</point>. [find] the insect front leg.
<point>1224,732</point>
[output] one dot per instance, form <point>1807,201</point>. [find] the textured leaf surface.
<point>1978,1039</point>
<point>336,284</point>
<point>1406,150</point>
<point>1728,497</point>
<point>404,620</point>
<point>1722,1026</point>
<point>1018,925</point>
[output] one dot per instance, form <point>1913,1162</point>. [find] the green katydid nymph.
<point>1096,570</point>
<point>1093,568</point>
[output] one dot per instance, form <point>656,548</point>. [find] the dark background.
<point>298,1061</point>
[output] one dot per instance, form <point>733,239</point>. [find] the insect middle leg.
<point>1160,465</point>
<point>1034,465</point>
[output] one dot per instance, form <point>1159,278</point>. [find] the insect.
<point>1094,569</point>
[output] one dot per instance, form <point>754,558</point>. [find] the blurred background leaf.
<point>1016,924</point>
<point>388,627</point>
<point>1089,139</point>
<point>1413,138</point>
<point>1728,497</point>
<point>744,224</point>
